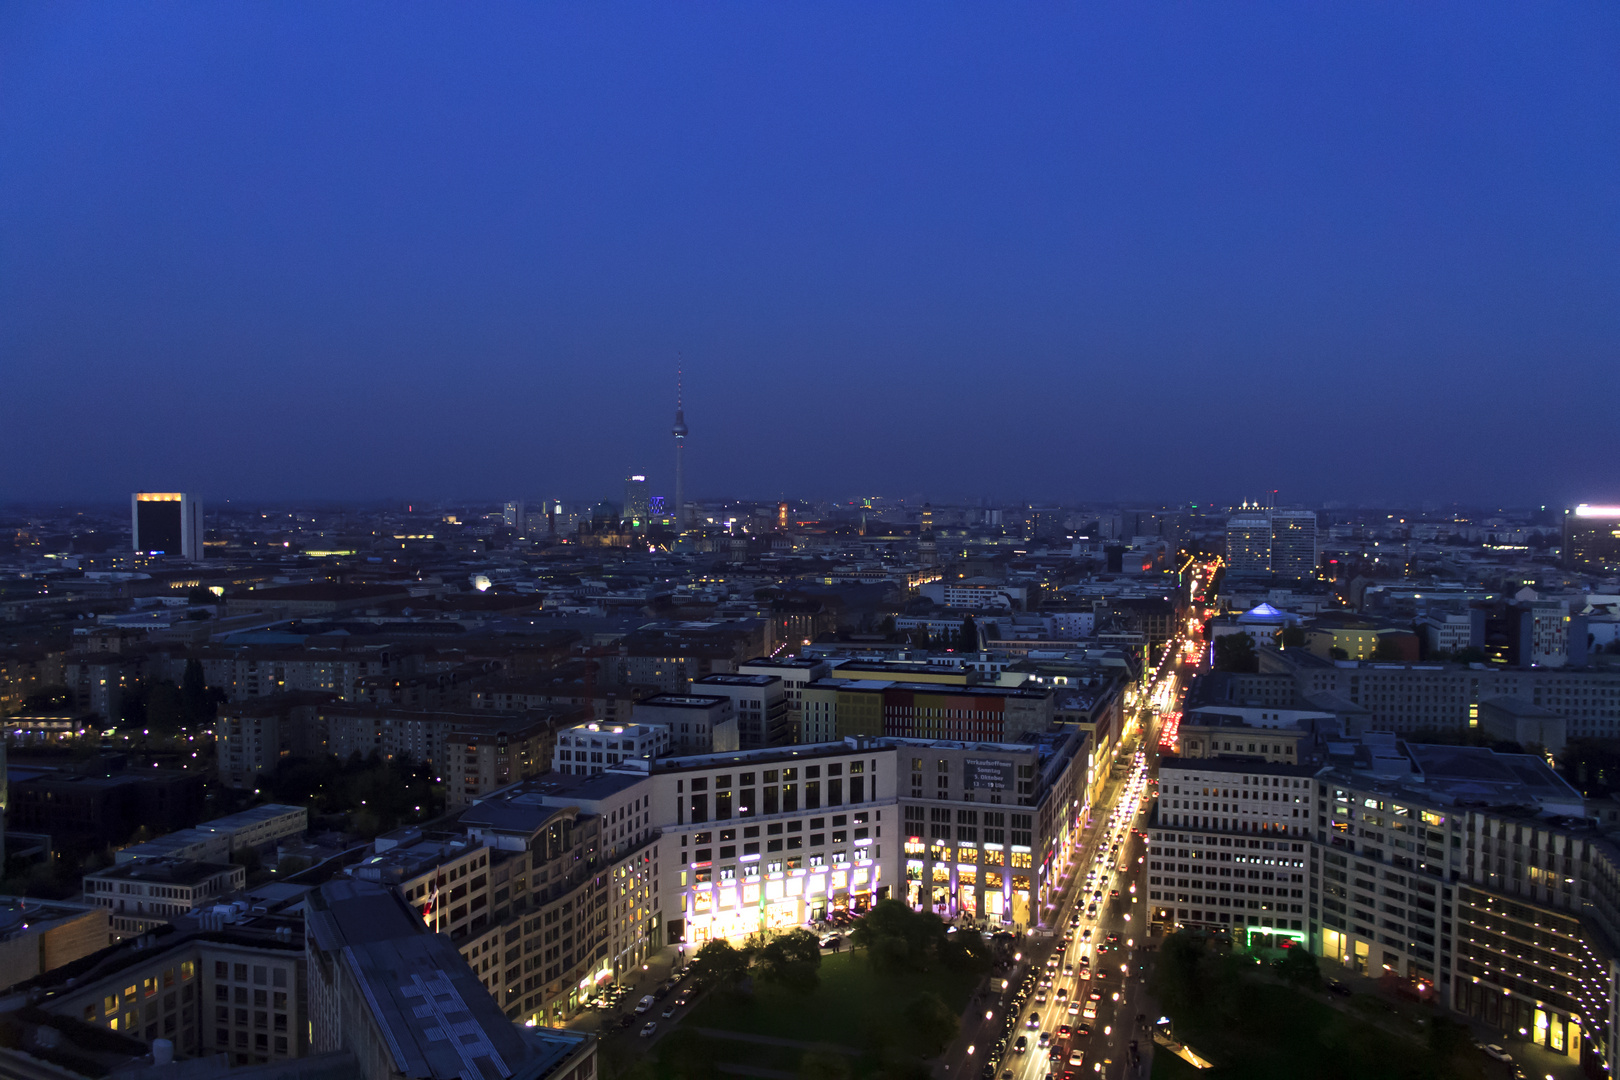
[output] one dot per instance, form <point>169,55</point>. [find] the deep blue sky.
<point>1169,250</point>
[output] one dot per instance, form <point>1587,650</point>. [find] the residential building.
<point>401,1000</point>
<point>698,723</point>
<point>796,673</point>
<point>1592,538</point>
<point>37,936</point>
<point>251,736</point>
<point>1295,549</point>
<point>1248,543</point>
<point>758,704</point>
<point>212,985</point>
<point>149,893</point>
<point>587,749</point>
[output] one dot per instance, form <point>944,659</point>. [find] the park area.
<point>1275,1021</point>
<point>877,1011</point>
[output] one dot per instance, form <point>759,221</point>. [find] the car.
<point>1063,1032</point>
<point>1085,961</point>
<point>1040,997</point>
<point>668,1012</point>
<point>1021,1045</point>
<point>1492,1050</point>
<point>1102,973</point>
<point>627,1019</point>
<point>1336,987</point>
<point>1082,1030</point>
<point>1091,910</point>
<point>989,1071</point>
<point>1045,1040</point>
<point>1008,1075</point>
<point>680,1002</point>
<point>1034,1020</point>
<point>644,1004</point>
<point>1076,1058</point>
<point>1085,935</point>
<point>831,941</point>
<point>1068,969</point>
<point>1074,1008</point>
<point>1113,894</point>
<point>648,1028</point>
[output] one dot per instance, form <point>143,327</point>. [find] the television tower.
<point>680,446</point>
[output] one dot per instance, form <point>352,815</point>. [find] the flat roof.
<point>736,680</point>
<point>685,701</point>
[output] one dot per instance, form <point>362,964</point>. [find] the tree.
<point>720,964</point>
<point>933,1021</point>
<point>791,960</point>
<point>970,635</point>
<point>196,704</point>
<point>1299,967</point>
<point>164,708</point>
<point>898,939</point>
<point>1235,652</point>
<point>1386,652</point>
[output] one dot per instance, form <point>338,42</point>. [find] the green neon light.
<point>1253,930</point>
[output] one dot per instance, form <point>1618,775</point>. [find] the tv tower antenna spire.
<point>680,447</point>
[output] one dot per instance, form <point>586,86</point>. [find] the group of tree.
<point>376,794</point>
<point>791,960</point>
<point>897,939</point>
<point>965,638</point>
<point>167,710</point>
<point>1236,652</point>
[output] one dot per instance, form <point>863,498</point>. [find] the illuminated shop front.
<point>970,880</point>
<point>775,897</point>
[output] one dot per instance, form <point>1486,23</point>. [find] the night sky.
<point>1168,251</point>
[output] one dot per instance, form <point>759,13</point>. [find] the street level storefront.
<point>980,881</point>
<point>774,897</point>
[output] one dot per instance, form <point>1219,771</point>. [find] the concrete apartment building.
<point>698,723</point>
<point>147,893</point>
<point>396,996</point>
<point>759,705</point>
<point>796,673</point>
<point>37,936</point>
<point>234,989</point>
<point>1459,869</point>
<point>587,749</point>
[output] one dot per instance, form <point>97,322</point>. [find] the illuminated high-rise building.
<point>1294,548</point>
<point>637,500</point>
<point>1248,542</point>
<point>166,523</point>
<point>1592,537</point>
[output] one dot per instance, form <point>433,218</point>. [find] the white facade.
<point>774,838</point>
<point>587,749</point>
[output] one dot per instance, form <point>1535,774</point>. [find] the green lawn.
<point>851,1006</point>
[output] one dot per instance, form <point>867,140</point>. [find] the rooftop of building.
<point>1235,763</point>
<point>685,701</point>
<point>789,662</point>
<point>737,680</point>
<point>163,871</point>
<point>438,1021</point>
<point>253,815</point>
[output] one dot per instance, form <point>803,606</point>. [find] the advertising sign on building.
<point>987,774</point>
